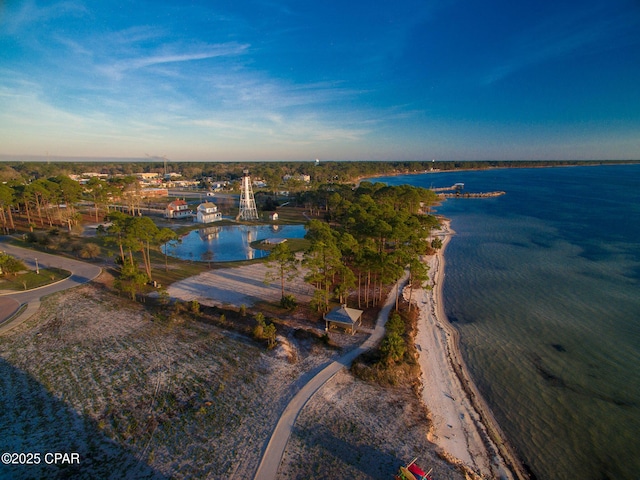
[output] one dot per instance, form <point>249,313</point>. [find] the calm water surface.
<point>229,243</point>
<point>544,285</point>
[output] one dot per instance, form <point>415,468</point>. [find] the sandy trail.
<point>458,428</point>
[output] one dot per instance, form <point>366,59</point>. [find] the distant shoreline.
<point>593,163</point>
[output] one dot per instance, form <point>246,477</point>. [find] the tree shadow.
<point>32,420</point>
<point>338,454</point>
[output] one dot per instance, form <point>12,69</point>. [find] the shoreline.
<point>463,426</point>
<point>596,163</point>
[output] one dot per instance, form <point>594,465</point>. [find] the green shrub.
<point>393,347</point>
<point>194,306</point>
<point>10,265</point>
<point>288,302</point>
<point>395,324</point>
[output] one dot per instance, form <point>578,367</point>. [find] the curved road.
<point>81,272</point>
<point>272,455</point>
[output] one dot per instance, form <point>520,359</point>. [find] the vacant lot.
<point>94,376</point>
<point>142,398</point>
<point>352,429</point>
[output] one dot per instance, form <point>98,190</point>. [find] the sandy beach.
<point>462,425</point>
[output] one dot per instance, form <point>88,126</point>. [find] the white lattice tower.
<point>248,210</point>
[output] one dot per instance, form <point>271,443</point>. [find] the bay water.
<point>543,284</point>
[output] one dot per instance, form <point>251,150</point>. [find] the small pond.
<point>229,243</point>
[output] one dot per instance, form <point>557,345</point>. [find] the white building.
<point>177,209</point>
<point>207,213</point>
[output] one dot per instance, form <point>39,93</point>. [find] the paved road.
<point>272,456</point>
<point>8,306</point>
<point>81,272</point>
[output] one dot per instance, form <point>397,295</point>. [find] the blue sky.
<point>335,80</point>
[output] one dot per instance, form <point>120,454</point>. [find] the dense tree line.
<point>49,202</point>
<point>366,239</point>
<point>44,202</point>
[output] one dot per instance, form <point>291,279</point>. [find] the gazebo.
<point>343,316</point>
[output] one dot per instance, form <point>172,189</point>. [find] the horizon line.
<point>157,159</point>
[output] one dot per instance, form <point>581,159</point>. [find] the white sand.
<point>457,426</point>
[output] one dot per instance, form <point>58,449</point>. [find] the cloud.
<point>119,68</point>
<point>29,13</point>
<point>271,127</point>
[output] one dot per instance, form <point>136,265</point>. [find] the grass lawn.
<point>291,215</point>
<point>29,280</point>
<point>295,245</point>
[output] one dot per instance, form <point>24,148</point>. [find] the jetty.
<point>455,187</point>
<point>471,195</point>
<point>456,192</point>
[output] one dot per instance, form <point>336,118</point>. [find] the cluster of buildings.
<point>206,212</point>
<point>153,184</point>
<point>147,179</point>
